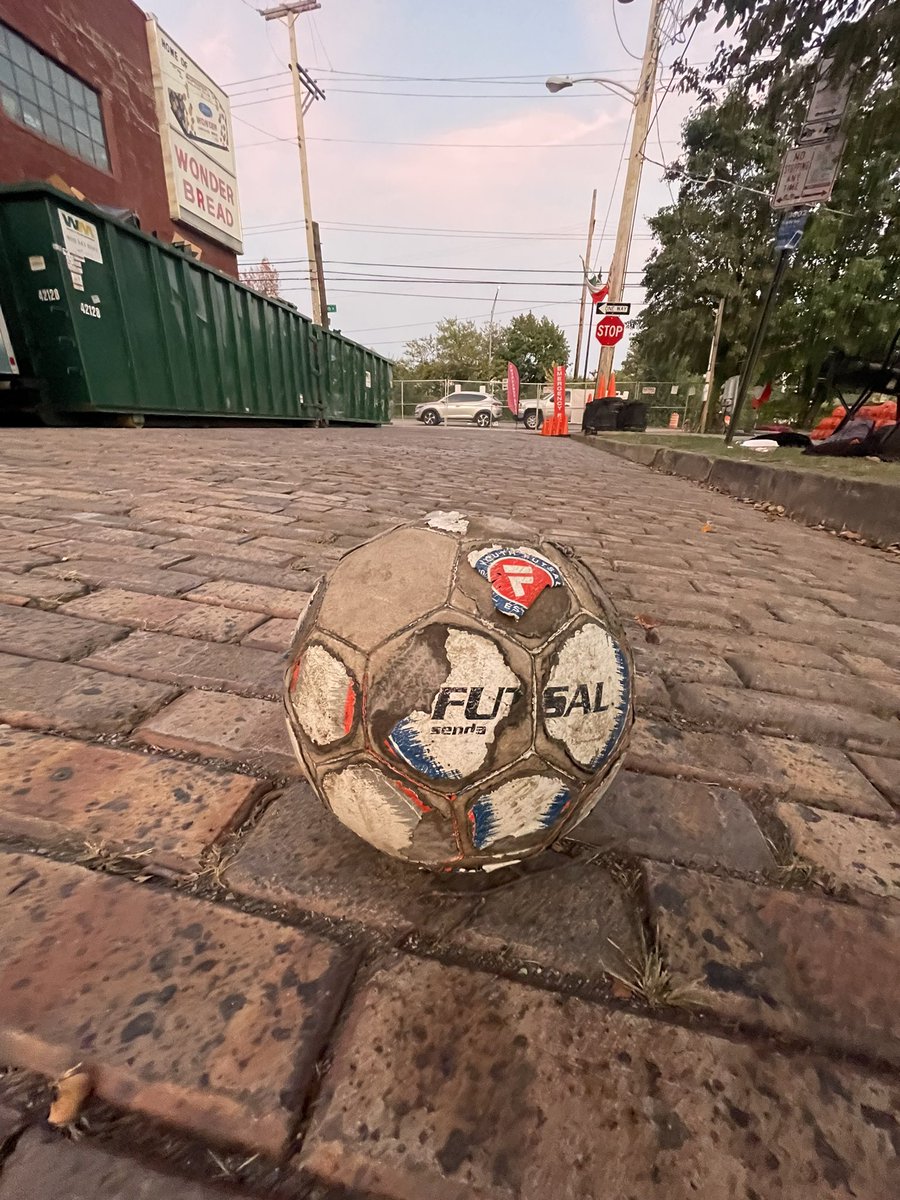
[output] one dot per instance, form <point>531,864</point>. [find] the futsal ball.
<point>459,692</point>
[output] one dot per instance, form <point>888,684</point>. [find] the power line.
<point>274,138</point>
<point>575,95</point>
<point>630,53</point>
<point>375,76</point>
<point>429,296</point>
<point>352,262</point>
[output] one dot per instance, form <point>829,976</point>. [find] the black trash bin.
<point>632,416</point>
<point>600,415</point>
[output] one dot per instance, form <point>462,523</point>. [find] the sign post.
<point>808,173</point>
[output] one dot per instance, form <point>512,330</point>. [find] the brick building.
<point>77,100</point>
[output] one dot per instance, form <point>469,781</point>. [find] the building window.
<point>51,101</point>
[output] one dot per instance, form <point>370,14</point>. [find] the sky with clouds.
<point>500,158</point>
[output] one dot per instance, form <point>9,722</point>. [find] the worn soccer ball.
<point>459,692</point>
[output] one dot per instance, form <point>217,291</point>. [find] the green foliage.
<point>456,350</point>
<point>460,350</point>
<point>534,344</point>
<point>766,40</point>
<point>717,239</point>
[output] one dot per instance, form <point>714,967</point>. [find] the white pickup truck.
<point>533,412</point>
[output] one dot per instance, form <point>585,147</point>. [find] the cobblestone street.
<point>694,996</point>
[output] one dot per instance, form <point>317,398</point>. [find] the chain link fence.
<point>669,404</point>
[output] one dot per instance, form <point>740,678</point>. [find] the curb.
<point>868,508</point>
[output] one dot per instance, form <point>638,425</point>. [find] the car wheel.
<point>430,417</point>
<point>531,420</point>
<point>483,420</point>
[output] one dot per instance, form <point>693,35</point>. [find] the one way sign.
<point>620,310</point>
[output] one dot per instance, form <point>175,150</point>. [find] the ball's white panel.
<point>587,700</point>
<point>323,696</point>
<point>517,576</point>
<point>447,522</point>
<point>517,808</point>
<point>364,800</point>
<point>452,739</point>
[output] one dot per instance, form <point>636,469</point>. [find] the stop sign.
<point>610,330</point>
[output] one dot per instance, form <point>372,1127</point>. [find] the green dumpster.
<point>109,319</point>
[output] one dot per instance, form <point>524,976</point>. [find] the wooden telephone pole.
<point>289,13</point>
<point>643,103</point>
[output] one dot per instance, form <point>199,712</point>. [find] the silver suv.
<point>472,408</point>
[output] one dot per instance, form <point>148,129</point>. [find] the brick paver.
<point>449,1084</point>
<point>44,1165</point>
<point>180,1009</point>
<point>860,854</point>
<point>38,634</point>
<point>137,610</point>
<point>157,810</point>
<point>792,961</point>
<point>193,664</point>
<point>606,1024</point>
<point>691,823</point>
<point>233,728</point>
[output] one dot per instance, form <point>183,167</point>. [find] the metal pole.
<point>759,334</point>
<point>491,335</point>
<point>642,106</point>
<point>711,366</point>
<point>317,288</point>
<point>584,288</point>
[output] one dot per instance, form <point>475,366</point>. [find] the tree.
<point>456,350</point>
<point>262,278</point>
<point>534,345</point>
<point>459,350</point>
<point>716,240</point>
<point>767,39</point>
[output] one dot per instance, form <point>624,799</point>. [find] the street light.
<point>558,83</point>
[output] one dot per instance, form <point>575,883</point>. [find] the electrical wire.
<point>630,53</point>
<point>497,79</point>
<point>342,262</point>
<point>574,95</point>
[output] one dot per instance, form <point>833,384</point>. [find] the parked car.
<point>470,408</point>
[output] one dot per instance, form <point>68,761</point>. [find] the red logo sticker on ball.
<point>517,577</point>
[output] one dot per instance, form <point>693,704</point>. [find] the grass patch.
<point>714,446</point>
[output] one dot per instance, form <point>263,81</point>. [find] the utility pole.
<point>289,13</point>
<point>711,366</point>
<point>584,286</point>
<point>643,103</point>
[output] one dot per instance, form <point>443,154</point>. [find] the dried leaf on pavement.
<point>69,1094</point>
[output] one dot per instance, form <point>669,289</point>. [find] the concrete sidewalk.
<point>695,996</point>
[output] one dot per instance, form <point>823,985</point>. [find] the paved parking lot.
<point>695,996</point>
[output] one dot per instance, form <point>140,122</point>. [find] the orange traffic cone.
<point>563,425</point>
<point>547,427</point>
<point>612,384</point>
<point>601,387</point>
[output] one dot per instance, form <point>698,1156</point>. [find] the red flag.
<point>764,396</point>
<point>512,388</point>
<point>600,294</point>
